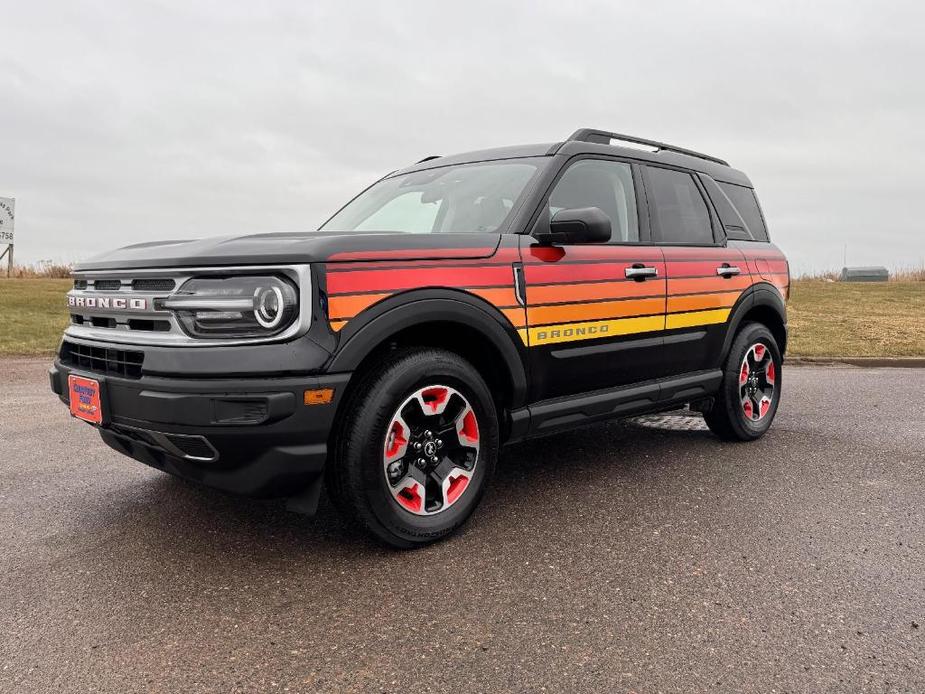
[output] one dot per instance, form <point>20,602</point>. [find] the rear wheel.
<point>751,386</point>
<point>416,447</point>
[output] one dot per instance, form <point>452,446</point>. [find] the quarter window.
<point>681,214</point>
<point>747,204</point>
<point>607,185</point>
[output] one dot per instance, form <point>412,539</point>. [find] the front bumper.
<point>245,435</point>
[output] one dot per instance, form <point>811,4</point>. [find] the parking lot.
<point>644,556</point>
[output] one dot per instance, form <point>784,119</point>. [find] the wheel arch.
<point>761,303</point>
<point>449,319</point>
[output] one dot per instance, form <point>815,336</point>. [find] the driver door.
<point>595,312</point>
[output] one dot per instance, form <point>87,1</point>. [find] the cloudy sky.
<point>128,121</point>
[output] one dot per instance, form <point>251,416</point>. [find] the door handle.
<point>640,272</point>
<point>727,270</point>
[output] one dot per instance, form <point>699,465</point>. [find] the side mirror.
<point>580,225</point>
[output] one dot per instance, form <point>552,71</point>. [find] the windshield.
<point>466,197</point>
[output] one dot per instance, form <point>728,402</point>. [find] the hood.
<point>295,248</point>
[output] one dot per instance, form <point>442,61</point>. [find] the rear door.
<point>595,312</point>
<point>705,278</point>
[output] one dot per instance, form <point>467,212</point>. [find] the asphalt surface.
<point>619,558</point>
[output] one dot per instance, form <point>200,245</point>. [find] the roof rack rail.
<point>603,137</point>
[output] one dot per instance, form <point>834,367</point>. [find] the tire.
<point>376,477</point>
<point>740,413</point>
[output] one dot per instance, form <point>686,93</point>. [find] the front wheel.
<point>416,447</point>
<point>751,388</point>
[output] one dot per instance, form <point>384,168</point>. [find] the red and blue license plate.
<point>86,401</point>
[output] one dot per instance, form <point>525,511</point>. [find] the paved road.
<point>614,559</point>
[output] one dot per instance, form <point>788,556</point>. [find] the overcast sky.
<point>128,121</point>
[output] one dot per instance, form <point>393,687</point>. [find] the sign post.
<point>7,218</point>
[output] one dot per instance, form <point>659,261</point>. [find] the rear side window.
<point>747,204</point>
<point>681,213</point>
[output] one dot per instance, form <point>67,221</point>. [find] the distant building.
<point>864,274</point>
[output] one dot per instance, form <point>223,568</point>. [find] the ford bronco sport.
<point>453,306</point>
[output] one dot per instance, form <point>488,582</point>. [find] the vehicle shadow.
<point>165,514</point>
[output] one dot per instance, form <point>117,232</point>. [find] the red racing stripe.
<point>503,256</point>
<point>588,272</point>
<point>631,254</point>
<point>700,268</point>
<point>399,278</point>
<point>413,254</point>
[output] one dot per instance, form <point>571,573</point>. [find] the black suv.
<point>453,306</point>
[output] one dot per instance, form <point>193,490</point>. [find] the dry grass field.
<point>32,315</point>
<point>857,319</point>
<point>827,319</point>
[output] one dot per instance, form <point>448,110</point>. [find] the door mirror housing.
<point>579,225</point>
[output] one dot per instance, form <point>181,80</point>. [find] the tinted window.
<point>466,197</point>
<point>407,211</point>
<point>681,214</point>
<point>607,185</point>
<point>747,204</point>
<point>728,215</point>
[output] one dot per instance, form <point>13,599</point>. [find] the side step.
<point>575,410</point>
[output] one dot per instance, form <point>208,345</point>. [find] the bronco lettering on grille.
<point>117,302</point>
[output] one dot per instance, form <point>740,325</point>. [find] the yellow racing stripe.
<point>595,330</point>
<point>687,320</point>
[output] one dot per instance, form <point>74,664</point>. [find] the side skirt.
<point>555,414</point>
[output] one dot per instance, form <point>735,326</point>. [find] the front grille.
<point>104,360</point>
<point>105,304</point>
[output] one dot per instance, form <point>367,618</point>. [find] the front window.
<point>466,197</point>
<point>606,185</point>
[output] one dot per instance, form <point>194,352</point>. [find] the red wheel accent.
<point>395,440</point>
<point>757,377</point>
<point>457,486</point>
<point>435,397</point>
<point>431,450</point>
<point>410,497</point>
<point>470,427</point>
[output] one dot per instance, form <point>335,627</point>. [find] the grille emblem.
<point>114,302</point>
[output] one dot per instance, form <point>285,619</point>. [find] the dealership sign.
<point>7,215</point>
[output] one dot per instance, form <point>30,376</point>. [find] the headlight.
<point>235,307</point>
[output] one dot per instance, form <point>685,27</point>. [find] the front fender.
<point>375,326</point>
